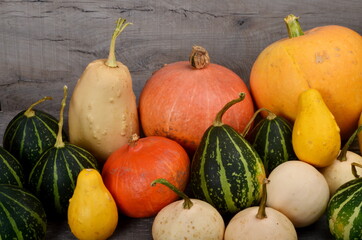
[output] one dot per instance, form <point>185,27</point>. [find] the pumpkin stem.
<point>30,112</point>
<point>59,142</point>
<point>218,118</point>
<point>342,155</point>
<point>187,201</point>
<point>293,26</point>
<point>270,116</point>
<point>133,139</point>
<point>354,169</point>
<point>120,26</point>
<point>261,211</point>
<point>199,57</point>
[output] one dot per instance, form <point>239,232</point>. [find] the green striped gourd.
<point>22,215</point>
<point>271,137</point>
<point>344,211</point>
<point>29,134</point>
<point>54,176</point>
<point>11,171</point>
<point>226,171</point>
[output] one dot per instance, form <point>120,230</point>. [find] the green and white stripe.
<point>10,169</point>
<point>344,211</point>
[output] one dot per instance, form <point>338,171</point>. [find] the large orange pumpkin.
<point>130,170</point>
<point>181,100</point>
<point>327,58</point>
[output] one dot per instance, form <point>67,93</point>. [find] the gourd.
<point>260,223</point>
<point>181,99</point>
<point>344,210</point>
<point>226,171</point>
<point>190,219</point>
<point>319,59</point>
<point>102,111</point>
<point>29,134</point>
<point>129,170</point>
<point>271,138</point>
<point>315,137</point>
<point>339,172</point>
<point>11,171</point>
<point>22,215</point>
<point>299,191</point>
<point>54,176</point>
<point>92,211</point>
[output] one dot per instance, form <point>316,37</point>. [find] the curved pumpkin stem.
<point>354,165</point>
<point>261,211</point>
<point>30,112</point>
<point>218,119</point>
<point>342,154</point>
<point>59,142</point>
<point>199,57</point>
<point>187,201</point>
<point>270,116</point>
<point>293,26</point>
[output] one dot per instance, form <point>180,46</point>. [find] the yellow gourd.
<point>316,135</point>
<point>92,211</point>
<point>103,111</point>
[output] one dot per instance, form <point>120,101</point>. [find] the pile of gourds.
<point>251,173</point>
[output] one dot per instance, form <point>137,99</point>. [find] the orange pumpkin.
<point>181,99</point>
<point>130,170</point>
<point>327,58</point>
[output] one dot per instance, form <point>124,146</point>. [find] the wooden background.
<point>46,44</point>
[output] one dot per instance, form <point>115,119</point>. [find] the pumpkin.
<point>129,171</point>
<point>327,58</point>
<point>180,100</point>
<point>102,111</point>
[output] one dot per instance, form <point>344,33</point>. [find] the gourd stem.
<point>120,26</point>
<point>342,155</point>
<point>218,118</point>
<point>30,112</point>
<point>270,116</point>
<point>293,26</point>
<point>261,211</point>
<point>354,170</point>
<point>187,201</point>
<point>59,142</point>
<point>199,57</point>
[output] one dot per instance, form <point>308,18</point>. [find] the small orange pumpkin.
<point>327,58</point>
<point>181,100</point>
<point>130,170</point>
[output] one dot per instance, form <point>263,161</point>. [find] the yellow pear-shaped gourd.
<point>92,211</point>
<point>316,135</point>
<point>103,110</point>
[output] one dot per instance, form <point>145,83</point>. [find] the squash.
<point>129,170</point>
<point>22,215</point>
<point>260,223</point>
<point>339,172</point>
<point>344,211</point>
<point>92,211</point>
<point>272,139</point>
<point>190,219</point>
<point>180,100</point>
<point>29,134</point>
<point>315,137</point>
<point>10,168</point>
<point>299,191</point>
<point>326,58</point>
<point>226,171</point>
<point>102,111</point>
<point>54,176</point>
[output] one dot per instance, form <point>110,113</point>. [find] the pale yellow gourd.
<point>316,135</point>
<point>103,111</point>
<point>92,211</point>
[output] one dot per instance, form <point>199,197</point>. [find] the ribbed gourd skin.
<point>226,171</point>
<point>272,139</point>
<point>22,216</point>
<point>344,212</point>
<point>53,178</point>
<point>11,171</point>
<point>26,138</point>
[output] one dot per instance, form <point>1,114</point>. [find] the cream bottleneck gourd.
<point>103,111</point>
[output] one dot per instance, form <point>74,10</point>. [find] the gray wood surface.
<point>46,44</point>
